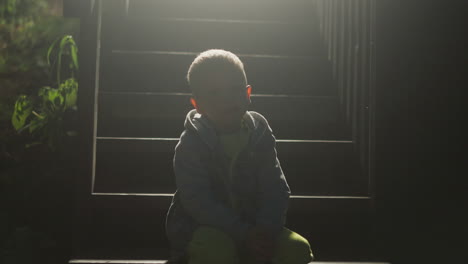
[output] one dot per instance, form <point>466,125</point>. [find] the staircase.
<point>140,99</point>
<point>146,48</point>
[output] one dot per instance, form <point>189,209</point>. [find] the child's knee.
<point>210,245</point>
<point>294,248</point>
<point>301,247</point>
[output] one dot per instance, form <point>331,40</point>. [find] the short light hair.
<point>211,62</point>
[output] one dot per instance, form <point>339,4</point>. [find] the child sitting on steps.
<point>232,197</point>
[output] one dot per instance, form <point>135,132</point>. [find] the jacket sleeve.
<point>274,191</point>
<point>193,184</point>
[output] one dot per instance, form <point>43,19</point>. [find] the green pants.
<point>212,246</point>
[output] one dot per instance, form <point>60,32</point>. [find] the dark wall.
<point>421,68</point>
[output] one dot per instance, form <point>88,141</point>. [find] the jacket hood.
<point>198,123</point>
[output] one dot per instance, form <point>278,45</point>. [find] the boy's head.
<point>219,88</point>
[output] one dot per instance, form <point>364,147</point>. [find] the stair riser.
<point>140,115</point>
<point>152,72</point>
<point>248,38</point>
<point>138,166</point>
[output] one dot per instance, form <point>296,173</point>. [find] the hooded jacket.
<point>203,198</point>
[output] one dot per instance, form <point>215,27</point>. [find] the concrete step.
<point>129,226</point>
<point>122,261</point>
<point>265,27</point>
<point>260,10</point>
<point>198,35</point>
<point>165,71</point>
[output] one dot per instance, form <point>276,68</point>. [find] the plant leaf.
<point>70,88</point>
<point>43,91</point>
<point>23,108</point>
<point>52,100</point>
<point>74,53</point>
<point>37,124</point>
<point>49,50</point>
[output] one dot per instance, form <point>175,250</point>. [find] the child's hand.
<point>260,243</point>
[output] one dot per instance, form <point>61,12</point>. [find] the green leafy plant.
<point>42,115</point>
<point>67,46</point>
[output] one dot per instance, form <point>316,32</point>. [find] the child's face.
<point>224,99</point>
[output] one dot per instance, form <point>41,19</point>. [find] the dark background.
<point>421,69</point>
<point>421,72</point>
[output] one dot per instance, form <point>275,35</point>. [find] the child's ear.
<point>249,91</point>
<point>194,103</point>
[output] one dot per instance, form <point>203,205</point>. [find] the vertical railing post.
<point>371,97</point>
<point>356,70</point>
<point>335,29</point>
<point>349,60</point>
<point>342,51</point>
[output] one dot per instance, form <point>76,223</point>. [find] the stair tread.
<point>140,221</point>
<point>185,35</point>
<point>138,261</point>
<point>241,9</point>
